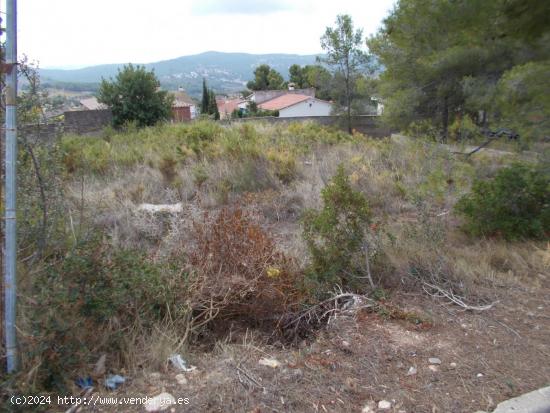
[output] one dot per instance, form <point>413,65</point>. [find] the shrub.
<point>238,271</point>
<point>89,302</point>
<point>336,233</point>
<point>514,204</point>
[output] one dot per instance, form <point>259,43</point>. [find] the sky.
<point>78,33</point>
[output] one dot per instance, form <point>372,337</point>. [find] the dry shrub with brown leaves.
<point>239,273</point>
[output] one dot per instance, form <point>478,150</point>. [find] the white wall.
<point>310,107</point>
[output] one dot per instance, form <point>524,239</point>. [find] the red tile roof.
<point>283,101</point>
<point>229,105</point>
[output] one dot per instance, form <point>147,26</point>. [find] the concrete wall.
<point>84,122</point>
<point>310,107</point>
<point>367,124</point>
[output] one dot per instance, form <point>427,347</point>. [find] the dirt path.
<point>358,361</point>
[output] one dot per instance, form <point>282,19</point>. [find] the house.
<point>292,105</point>
<point>226,106</point>
<point>183,108</point>
<point>261,96</point>
<point>92,104</point>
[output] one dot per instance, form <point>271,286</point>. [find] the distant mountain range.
<point>224,72</point>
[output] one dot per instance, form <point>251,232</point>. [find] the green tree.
<point>342,45</point>
<point>134,96</point>
<point>315,76</point>
<point>443,60</point>
<point>205,104</point>
<point>334,235</point>
<point>266,78</point>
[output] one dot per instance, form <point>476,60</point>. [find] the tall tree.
<point>266,78</point>
<point>344,55</point>
<point>205,104</point>
<point>443,60</point>
<point>134,96</point>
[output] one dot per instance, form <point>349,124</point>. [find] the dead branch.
<point>453,298</point>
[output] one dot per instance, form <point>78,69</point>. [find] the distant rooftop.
<point>92,104</point>
<point>283,101</point>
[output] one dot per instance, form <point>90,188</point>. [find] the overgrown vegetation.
<point>114,276</point>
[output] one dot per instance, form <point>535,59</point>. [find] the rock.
<point>269,362</point>
<point>452,365</point>
<point>169,208</point>
<point>479,375</point>
<point>345,343</point>
<point>384,405</point>
<point>434,360</point>
<point>180,378</point>
<point>537,401</point>
<point>412,371</point>
<point>159,403</point>
<point>433,368</point>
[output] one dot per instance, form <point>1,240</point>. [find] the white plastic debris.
<point>180,364</point>
<point>269,362</point>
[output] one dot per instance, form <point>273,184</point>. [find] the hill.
<point>225,72</point>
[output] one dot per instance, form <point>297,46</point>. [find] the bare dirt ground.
<point>363,358</point>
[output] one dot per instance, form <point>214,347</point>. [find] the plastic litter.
<point>84,383</point>
<point>113,381</point>
<point>179,363</point>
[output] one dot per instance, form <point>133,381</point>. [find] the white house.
<point>295,105</point>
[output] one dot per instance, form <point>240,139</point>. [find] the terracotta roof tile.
<point>283,101</point>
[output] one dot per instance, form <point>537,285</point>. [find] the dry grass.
<point>273,173</point>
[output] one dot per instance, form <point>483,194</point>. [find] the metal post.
<point>10,243</point>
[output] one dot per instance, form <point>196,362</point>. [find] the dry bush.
<point>239,273</point>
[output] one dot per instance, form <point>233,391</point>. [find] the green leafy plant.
<point>513,204</point>
<point>335,234</point>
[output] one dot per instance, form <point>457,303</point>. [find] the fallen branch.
<point>453,298</point>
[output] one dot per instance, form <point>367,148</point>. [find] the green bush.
<point>89,302</point>
<point>513,204</point>
<point>335,234</point>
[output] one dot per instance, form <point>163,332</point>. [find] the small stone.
<point>345,343</point>
<point>452,365</point>
<point>479,375</point>
<point>433,368</point>
<point>181,379</point>
<point>159,403</point>
<point>384,405</point>
<point>434,360</point>
<point>412,371</point>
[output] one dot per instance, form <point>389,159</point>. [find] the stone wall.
<point>367,124</point>
<point>86,122</point>
<point>46,132</point>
